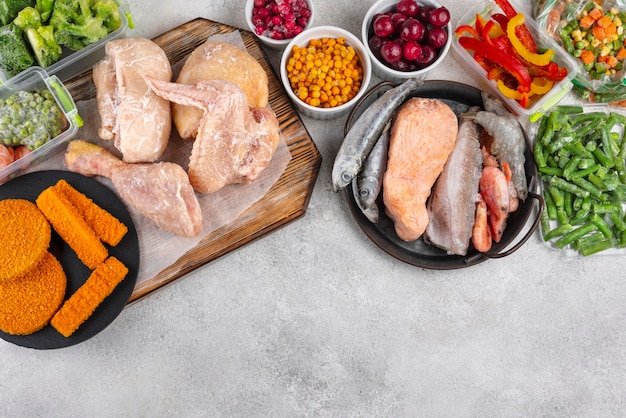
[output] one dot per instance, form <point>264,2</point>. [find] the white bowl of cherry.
<point>406,38</point>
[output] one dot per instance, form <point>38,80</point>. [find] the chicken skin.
<point>133,116</point>
<point>161,191</point>
<point>234,142</point>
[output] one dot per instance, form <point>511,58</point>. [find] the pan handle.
<point>363,98</point>
<point>523,240</point>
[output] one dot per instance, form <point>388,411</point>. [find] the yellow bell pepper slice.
<point>540,86</point>
<point>509,92</point>
<point>539,60</point>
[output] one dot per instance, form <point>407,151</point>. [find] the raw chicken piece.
<point>219,60</point>
<point>138,120</point>
<point>452,205</point>
<point>234,142</point>
<point>422,136</point>
<point>161,191</point>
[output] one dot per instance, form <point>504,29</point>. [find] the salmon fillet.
<point>423,135</point>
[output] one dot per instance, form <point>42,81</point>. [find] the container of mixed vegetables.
<point>66,37</point>
<point>592,32</point>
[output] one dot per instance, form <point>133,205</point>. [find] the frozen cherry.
<point>412,30</point>
<point>411,50</point>
<point>424,12</point>
<point>437,37</point>
<point>383,26</point>
<point>439,17</point>
<point>404,65</point>
<point>398,19</point>
<point>278,35</point>
<point>375,43</point>
<point>391,51</point>
<point>280,19</point>
<point>409,8</point>
<point>257,20</point>
<point>427,57</point>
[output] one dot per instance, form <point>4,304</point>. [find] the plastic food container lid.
<point>32,79</point>
<point>561,57</point>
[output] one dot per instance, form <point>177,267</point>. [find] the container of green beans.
<point>580,152</point>
<point>37,116</point>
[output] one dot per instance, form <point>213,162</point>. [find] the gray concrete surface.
<point>315,321</point>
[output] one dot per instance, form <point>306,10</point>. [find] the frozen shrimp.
<point>508,145</point>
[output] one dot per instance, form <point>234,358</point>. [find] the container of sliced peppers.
<point>507,54</point>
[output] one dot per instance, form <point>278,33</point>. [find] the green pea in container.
<point>36,110</point>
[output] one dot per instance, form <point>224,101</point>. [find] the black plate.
<point>460,97</point>
<point>28,187</point>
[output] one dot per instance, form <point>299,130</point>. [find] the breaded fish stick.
<point>71,226</point>
<point>106,226</point>
<point>79,307</point>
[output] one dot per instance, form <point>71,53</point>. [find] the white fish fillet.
<point>452,204</point>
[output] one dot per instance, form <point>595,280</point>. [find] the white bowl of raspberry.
<point>406,38</point>
<point>276,22</point>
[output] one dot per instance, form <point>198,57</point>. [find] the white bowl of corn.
<point>325,71</point>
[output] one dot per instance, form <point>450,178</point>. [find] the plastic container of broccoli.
<point>73,63</point>
<point>35,80</point>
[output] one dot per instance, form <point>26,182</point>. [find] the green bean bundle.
<point>580,157</point>
<point>30,118</point>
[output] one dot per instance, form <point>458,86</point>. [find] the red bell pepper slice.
<point>467,29</point>
<point>480,22</point>
<point>522,31</point>
<point>550,72</point>
<point>507,8</point>
<point>502,20</point>
<point>506,61</point>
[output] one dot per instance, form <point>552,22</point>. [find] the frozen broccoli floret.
<point>10,8</point>
<point>44,7</point>
<point>47,51</point>
<point>15,55</point>
<point>28,17</point>
<point>78,23</point>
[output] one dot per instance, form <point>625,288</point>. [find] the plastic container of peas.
<point>578,170</point>
<point>36,79</point>
<point>302,40</point>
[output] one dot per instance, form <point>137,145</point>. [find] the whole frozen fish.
<point>452,205</point>
<point>364,133</point>
<point>370,180</point>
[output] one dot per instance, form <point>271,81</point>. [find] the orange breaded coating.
<point>79,307</point>
<point>28,302</point>
<point>106,226</point>
<point>24,237</point>
<point>71,226</point>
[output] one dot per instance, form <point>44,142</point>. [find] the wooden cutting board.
<point>288,198</point>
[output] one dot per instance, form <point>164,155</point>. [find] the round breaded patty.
<point>25,237</point>
<point>28,303</point>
